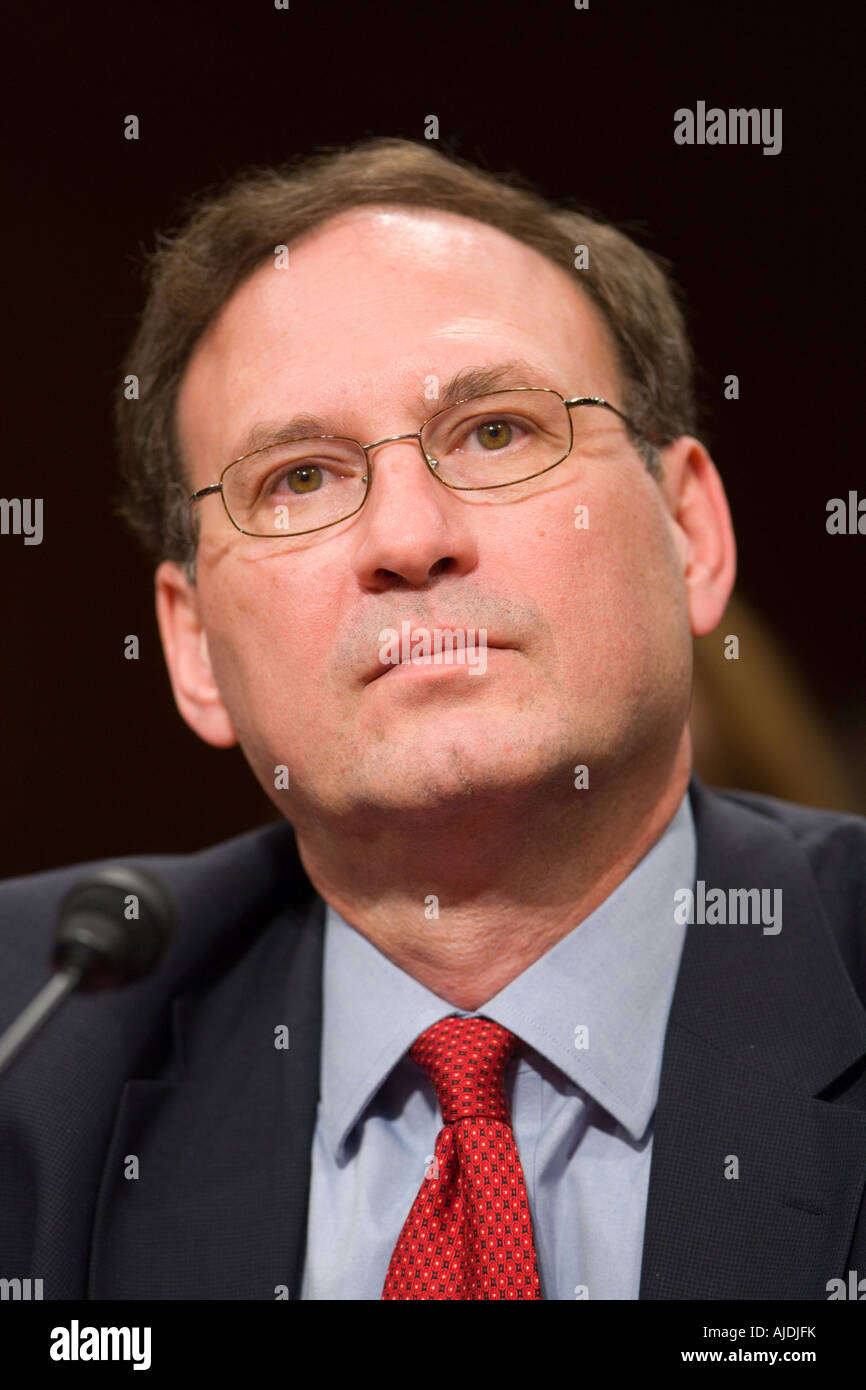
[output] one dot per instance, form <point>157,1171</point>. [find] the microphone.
<point>114,927</point>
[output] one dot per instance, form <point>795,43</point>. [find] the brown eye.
<point>495,434</point>
<point>303,480</point>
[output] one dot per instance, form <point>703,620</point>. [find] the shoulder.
<point>819,854</point>
<point>211,888</point>
<point>59,1100</point>
<point>834,842</point>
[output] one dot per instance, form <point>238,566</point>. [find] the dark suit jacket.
<point>764,1059</point>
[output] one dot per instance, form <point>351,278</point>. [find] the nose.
<point>411,527</point>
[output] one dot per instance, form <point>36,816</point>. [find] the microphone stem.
<point>36,1013</point>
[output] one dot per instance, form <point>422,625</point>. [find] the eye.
<point>306,478</point>
<point>494,434</point>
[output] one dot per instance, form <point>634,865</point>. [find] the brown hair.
<point>228,232</point>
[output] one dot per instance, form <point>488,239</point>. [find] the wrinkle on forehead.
<point>467,327</point>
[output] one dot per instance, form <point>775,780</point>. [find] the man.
<point>511,1007</point>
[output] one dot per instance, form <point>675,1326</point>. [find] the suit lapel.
<point>222,1137</point>
<point>760,1026</point>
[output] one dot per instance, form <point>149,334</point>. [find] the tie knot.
<point>465,1059</point>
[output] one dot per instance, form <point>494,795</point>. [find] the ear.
<point>702,530</point>
<point>184,642</point>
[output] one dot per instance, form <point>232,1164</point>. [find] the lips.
<point>381,668</point>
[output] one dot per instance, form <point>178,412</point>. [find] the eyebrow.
<point>469,381</point>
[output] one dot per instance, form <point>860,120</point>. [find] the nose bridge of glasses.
<point>393,439</point>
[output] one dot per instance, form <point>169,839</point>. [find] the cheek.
<point>268,638</point>
<point>611,586</point>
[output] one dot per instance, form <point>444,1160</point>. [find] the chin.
<point>452,773</point>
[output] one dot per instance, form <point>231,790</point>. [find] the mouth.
<point>448,651</point>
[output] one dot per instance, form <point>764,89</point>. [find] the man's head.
<point>274,641</point>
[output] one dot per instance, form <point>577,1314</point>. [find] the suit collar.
<point>615,972</point>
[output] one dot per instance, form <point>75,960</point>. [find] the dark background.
<point>767,250</point>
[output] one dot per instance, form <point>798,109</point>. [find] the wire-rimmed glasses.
<point>296,486</point>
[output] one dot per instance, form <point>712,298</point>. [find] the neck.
<point>465,900</point>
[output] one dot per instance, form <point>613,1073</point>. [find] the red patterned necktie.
<point>469,1233</point>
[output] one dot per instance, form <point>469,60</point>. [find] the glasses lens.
<point>299,486</point>
<point>499,438</point>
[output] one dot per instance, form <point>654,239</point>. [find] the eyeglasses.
<point>297,486</point>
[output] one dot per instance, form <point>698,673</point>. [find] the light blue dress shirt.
<point>581,1103</point>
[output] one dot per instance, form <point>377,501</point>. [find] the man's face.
<point>591,625</point>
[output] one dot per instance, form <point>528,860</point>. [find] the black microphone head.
<point>115,925</point>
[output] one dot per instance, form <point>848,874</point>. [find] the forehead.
<point>374,302</point>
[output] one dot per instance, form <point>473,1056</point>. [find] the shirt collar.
<point>612,975</point>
